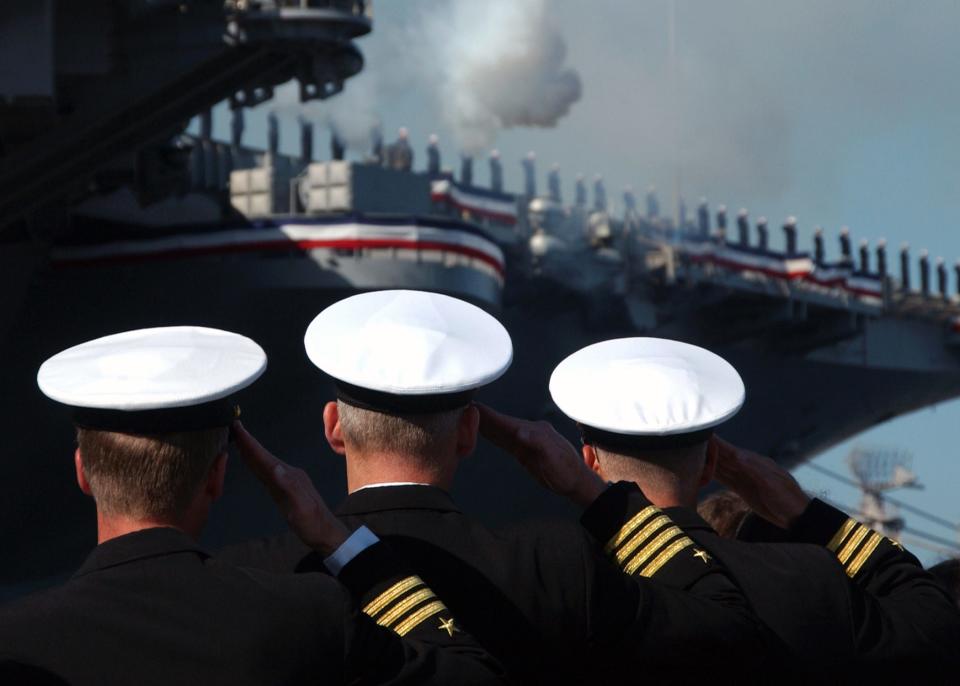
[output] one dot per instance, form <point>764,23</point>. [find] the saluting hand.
<point>294,493</point>
<point>547,455</point>
<point>769,489</point>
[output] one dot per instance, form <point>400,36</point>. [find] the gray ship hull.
<point>795,406</point>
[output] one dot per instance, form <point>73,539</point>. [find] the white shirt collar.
<point>391,483</point>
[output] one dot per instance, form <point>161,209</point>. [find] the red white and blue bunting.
<point>284,237</point>
<point>497,207</point>
<point>799,269</point>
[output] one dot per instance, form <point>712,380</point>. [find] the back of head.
<point>152,407</point>
<point>674,470</point>
<point>419,437</point>
<point>724,511</point>
<point>406,365</point>
<point>647,408</point>
<point>144,477</point>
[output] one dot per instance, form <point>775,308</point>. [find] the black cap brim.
<point>392,403</point>
<point>211,415</point>
<point>628,444</point>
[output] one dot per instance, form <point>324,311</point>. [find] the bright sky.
<point>839,113</point>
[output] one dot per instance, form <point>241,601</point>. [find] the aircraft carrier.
<point>112,217</point>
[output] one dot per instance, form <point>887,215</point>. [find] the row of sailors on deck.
<point>402,586</point>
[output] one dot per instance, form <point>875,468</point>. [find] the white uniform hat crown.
<point>152,380</point>
<point>647,387</point>
<point>405,344</point>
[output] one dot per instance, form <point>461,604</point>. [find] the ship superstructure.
<point>785,315</point>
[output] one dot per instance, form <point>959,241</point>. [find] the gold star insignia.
<point>448,626</point>
<point>897,544</point>
<point>702,554</point>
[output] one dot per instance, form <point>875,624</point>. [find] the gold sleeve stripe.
<point>651,549</point>
<point>404,606</point>
<point>629,527</point>
<point>411,622</point>
<point>664,557</point>
<point>864,554</point>
<point>642,535</point>
<point>850,547</point>
<point>841,534</point>
<point>391,594</point>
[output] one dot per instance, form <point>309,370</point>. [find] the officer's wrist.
<point>588,490</point>
<point>333,535</point>
<point>790,505</point>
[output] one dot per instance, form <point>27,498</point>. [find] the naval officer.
<point>542,598</point>
<point>842,597</point>
<point>153,408</point>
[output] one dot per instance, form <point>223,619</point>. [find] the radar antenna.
<point>878,470</point>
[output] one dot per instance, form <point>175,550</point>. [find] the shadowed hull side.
<point>795,406</point>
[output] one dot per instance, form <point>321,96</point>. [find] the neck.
<point>369,469</point>
<point>661,495</point>
<point>668,499</point>
<point>112,526</point>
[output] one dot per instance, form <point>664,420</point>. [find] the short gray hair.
<point>664,468</point>
<point>413,434</point>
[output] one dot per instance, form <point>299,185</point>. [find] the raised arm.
<point>899,611</point>
<point>691,607</point>
<point>402,633</point>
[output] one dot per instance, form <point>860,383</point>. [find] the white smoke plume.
<point>482,66</point>
<point>494,65</point>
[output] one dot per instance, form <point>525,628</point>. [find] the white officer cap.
<point>646,392</point>
<point>178,378</point>
<point>408,352</point>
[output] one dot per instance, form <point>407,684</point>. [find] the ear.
<point>216,477</point>
<point>591,460</point>
<point>331,428</point>
<point>81,476</point>
<point>709,464</point>
<point>467,429</point>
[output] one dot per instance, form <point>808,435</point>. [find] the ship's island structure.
<point>112,217</point>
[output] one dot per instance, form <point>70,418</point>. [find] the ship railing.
<point>780,274</point>
<point>862,277</point>
<point>835,285</point>
<point>358,8</point>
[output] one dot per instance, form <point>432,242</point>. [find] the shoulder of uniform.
<point>784,555</point>
<point>37,609</point>
<point>280,553</point>
<point>548,535</point>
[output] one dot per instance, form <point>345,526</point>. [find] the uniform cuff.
<point>857,546</point>
<point>642,540</point>
<point>819,524</point>
<point>605,515</point>
<point>359,540</point>
<point>393,597</point>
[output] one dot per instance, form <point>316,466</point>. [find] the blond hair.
<point>148,476</point>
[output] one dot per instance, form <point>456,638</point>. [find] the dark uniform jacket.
<point>544,598</point>
<point>842,597</point>
<point>151,607</point>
